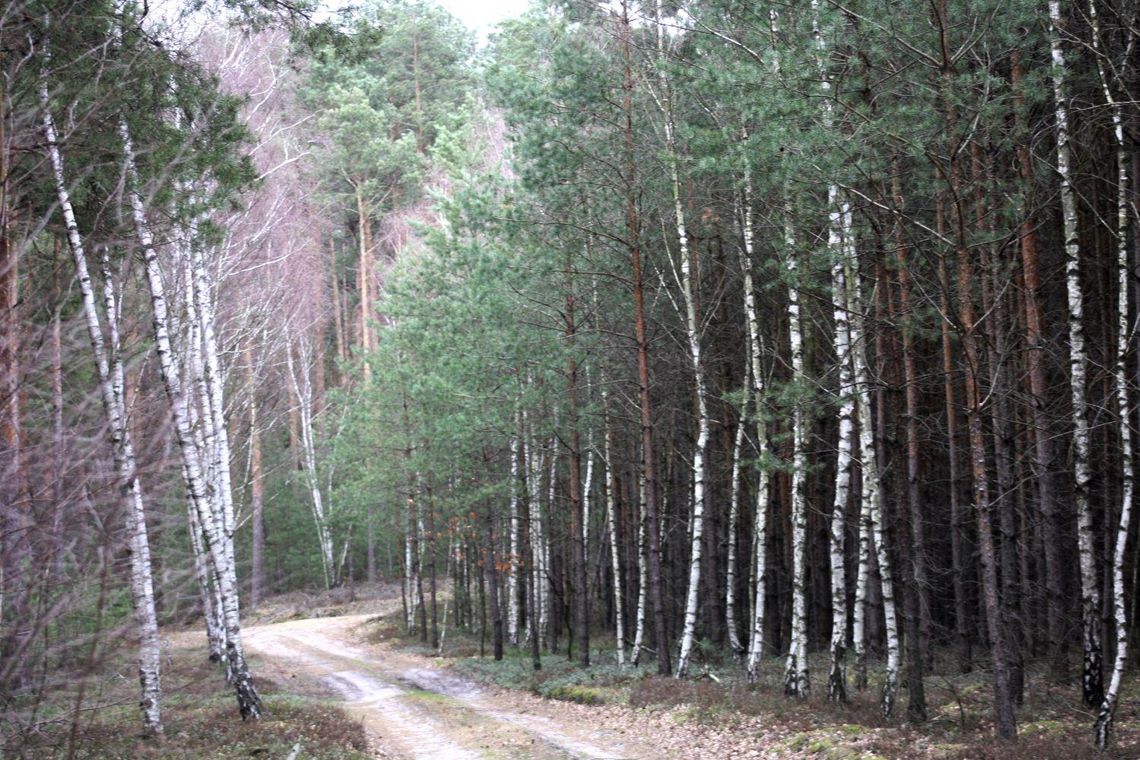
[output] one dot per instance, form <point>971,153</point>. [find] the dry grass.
<point>200,718</point>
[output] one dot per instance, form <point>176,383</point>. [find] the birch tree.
<point>1092,683</point>
<point>109,366</point>
<point>1125,331</point>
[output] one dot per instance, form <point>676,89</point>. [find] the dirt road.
<point>413,709</point>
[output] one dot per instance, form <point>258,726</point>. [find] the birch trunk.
<point>760,524</point>
<point>112,387</point>
<point>692,324</point>
<point>872,506</point>
<point>642,573</point>
<point>303,391</point>
<point>730,621</point>
<point>611,521</point>
<point>796,683</point>
<point>249,703</point>
<point>513,572</point>
<point>1105,714</point>
<point>1092,683</point>
<point>838,230</point>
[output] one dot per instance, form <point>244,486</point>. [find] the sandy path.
<point>413,708</point>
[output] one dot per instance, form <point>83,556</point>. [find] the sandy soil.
<point>412,708</point>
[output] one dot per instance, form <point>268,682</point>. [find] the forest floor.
<point>414,703</point>
<point>342,681</point>
<point>90,710</point>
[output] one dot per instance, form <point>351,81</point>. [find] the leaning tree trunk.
<point>1092,678</point>
<point>249,703</point>
<point>112,386</point>
<point>303,390</point>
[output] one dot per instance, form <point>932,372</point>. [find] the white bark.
<point>796,682</point>
<point>1106,712</point>
<point>872,503</point>
<point>113,391</point>
<point>837,678</point>
<point>642,574</point>
<point>545,539</point>
<point>733,526</point>
<point>699,474</point>
<point>692,324</point>
<point>1092,677</point>
<point>533,478</point>
<point>611,521</point>
<point>586,488</point>
<point>513,571</point>
<point>213,527</point>
<point>760,526</point>
<point>302,389</point>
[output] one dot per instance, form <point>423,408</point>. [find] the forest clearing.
<point>587,378</point>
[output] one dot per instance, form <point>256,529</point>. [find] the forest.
<point>787,344</point>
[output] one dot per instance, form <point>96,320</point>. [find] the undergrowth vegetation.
<point>960,725</point>
<point>199,717</point>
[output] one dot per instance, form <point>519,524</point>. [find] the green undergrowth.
<point>200,719</point>
<point>960,707</point>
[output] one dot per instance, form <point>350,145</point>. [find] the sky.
<point>480,15</point>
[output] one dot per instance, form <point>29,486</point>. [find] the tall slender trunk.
<point>689,286</point>
<point>579,617</point>
<point>212,522</point>
<point>109,365</point>
<point>958,566</point>
<point>917,602</point>
<point>256,495</point>
<point>528,503</point>
<point>1003,702</point>
<point>1092,678</point>
<point>730,580</point>
<point>611,521</point>
<point>633,240</point>
<point>642,574</point>
<point>872,505</point>
<point>1124,335</point>
<point>837,231</point>
<point>515,559</point>
<point>760,519</point>
<point>796,683</point>
<point>492,572</point>
<point>1039,397</point>
<point>302,388</point>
